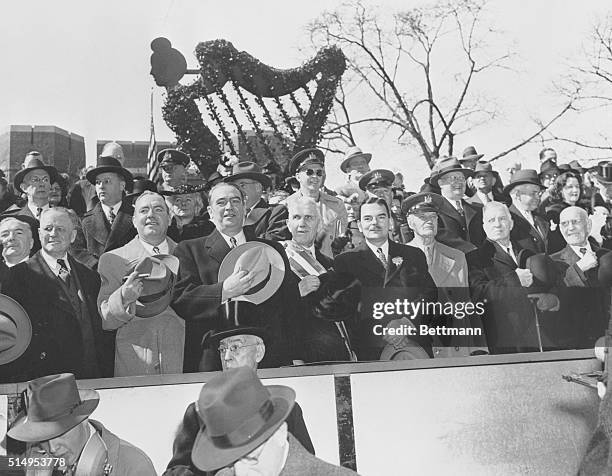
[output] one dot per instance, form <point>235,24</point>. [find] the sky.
<point>84,67</point>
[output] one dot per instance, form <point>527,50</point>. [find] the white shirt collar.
<point>163,247</point>
<point>115,208</point>
<point>482,196</point>
<point>527,215</point>
<point>384,247</point>
<point>240,238</point>
<point>34,208</point>
<point>52,262</point>
<point>9,265</point>
<point>577,249</point>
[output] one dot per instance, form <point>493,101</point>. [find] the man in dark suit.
<point>59,294</point>
<point>496,279</point>
<point>585,300</point>
<point>267,222</point>
<point>109,225</point>
<point>459,222</point>
<point>198,295</point>
<point>34,179</point>
<point>530,230</point>
<point>381,263</point>
<point>483,183</point>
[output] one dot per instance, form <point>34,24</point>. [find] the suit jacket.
<point>100,236</point>
<point>57,343</point>
<point>462,233</point>
<point>197,299</point>
<point>301,463</point>
<point>525,235</point>
<point>412,275</point>
<point>82,198</point>
<point>475,199</point>
<point>152,345</point>
<point>181,464</point>
<point>268,222</point>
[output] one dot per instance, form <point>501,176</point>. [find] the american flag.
<point>152,165</point>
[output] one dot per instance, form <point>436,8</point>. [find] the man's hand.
<point>308,284</point>
<point>236,284</point>
<point>131,289</point>
<point>546,301</point>
<point>525,277</point>
<point>588,261</point>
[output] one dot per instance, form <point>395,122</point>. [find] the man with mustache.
<point>144,345</point>
<point>198,295</point>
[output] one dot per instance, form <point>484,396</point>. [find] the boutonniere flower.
<point>397,261</point>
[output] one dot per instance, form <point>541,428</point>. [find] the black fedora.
<point>469,153</point>
<point>523,176</point>
<point>109,164</point>
<point>249,170</point>
<point>238,319</point>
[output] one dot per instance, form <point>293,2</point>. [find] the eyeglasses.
<point>36,179</point>
<point>311,172</point>
<point>535,193</point>
<point>233,348</point>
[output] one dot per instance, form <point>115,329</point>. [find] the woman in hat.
<point>566,192</point>
<point>185,204</point>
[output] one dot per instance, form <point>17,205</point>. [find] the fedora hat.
<point>239,414</point>
<point>172,156</point>
<point>306,157</point>
<point>161,271</point>
<point>523,176</point>
<point>446,165</point>
<point>31,163</point>
<point>54,405</point>
<point>353,153</point>
<point>249,170</point>
<point>109,164</point>
<point>263,261</point>
<point>383,177</point>
<point>15,330</point>
<point>603,172</point>
<point>114,150</point>
<point>483,167</point>
<point>469,153</point>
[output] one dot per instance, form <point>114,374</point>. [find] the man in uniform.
<point>173,165</point>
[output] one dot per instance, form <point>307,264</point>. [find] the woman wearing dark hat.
<point>185,203</point>
<point>566,192</point>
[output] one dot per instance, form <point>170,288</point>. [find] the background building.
<point>62,149</point>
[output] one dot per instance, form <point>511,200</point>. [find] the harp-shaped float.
<point>272,112</point>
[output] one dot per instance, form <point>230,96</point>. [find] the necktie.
<point>428,254</point>
<point>460,208</point>
<point>509,251</point>
<point>381,257</point>
<point>583,251</point>
<point>38,212</point>
<point>156,250</point>
<point>233,242</point>
<point>111,216</point>
<point>63,273</point>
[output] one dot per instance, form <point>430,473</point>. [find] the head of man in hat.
<point>451,177</point>
<point>16,238</point>
<point>35,179</point>
<point>470,157</point>
<point>602,179</point>
<point>355,164</point>
<point>251,179</point>
<point>525,190</point>
<point>422,216</point>
<point>378,183</point>
<point>173,165</point>
<point>111,180</point>
<point>56,426</point>
<point>549,171</point>
<point>483,179</point>
<point>308,167</point>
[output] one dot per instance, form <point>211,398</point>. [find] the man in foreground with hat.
<point>267,222</point>
<point>459,222</point>
<point>530,230</point>
<point>498,278</point>
<point>56,426</point>
<point>59,294</point>
<point>448,268</point>
<point>137,285</point>
<point>109,225</point>
<point>200,292</point>
<point>173,165</point>
<point>308,167</point>
<point>586,299</point>
<point>259,442</point>
<point>239,344</point>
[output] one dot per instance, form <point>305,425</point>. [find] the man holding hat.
<point>308,167</point>
<point>59,294</point>
<point>109,225</point>
<point>200,291</point>
<point>137,285</point>
<point>530,230</point>
<point>238,436</point>
<point>459,222</point>
<point>499,278</point>
<point>267,222</point>
<point>173,165</point>
<point>240,344</point>
<point>56,426</point>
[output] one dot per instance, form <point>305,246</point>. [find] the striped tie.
<point>233,242</point>
<point>381,257</point>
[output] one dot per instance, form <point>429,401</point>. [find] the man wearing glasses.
<point>266,221</point>
<point>530,231</point>
<point>308,167</point>
<point>35,179</point>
